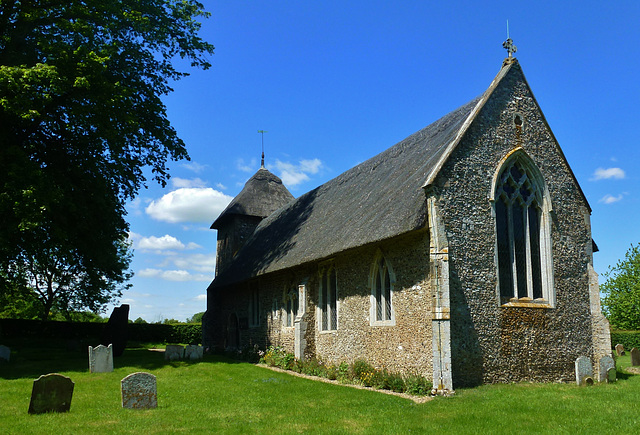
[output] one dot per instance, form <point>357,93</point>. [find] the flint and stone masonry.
<point>427,207</point>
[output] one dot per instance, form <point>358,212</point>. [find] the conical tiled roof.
<point>263,194</point>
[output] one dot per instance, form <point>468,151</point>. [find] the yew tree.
<point>81,117</point>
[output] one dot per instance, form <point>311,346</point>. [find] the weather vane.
<point>508,44</point>
<point>262,132</point>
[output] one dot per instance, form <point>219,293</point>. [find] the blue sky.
<point>335,82</point>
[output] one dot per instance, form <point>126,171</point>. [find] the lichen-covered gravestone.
<point>173,352</point>
<point>619,349</point>
<point>101,359</point>
<point>605,363</point>
<point>5,353</point>
<point>584,371</point>
<point>115,331</point>
<point>193,352</point>
<point>51,393</point>
<point>139,391</point>
<point>635,356</point>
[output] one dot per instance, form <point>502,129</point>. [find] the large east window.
<point>521,234</point>
<point>328,307</point>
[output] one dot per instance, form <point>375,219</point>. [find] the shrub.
<point>417,385</point>
<point>360,372</point>
<point>629,339</point>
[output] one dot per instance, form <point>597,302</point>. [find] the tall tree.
<point>81,116</point>
<point>621,303</point>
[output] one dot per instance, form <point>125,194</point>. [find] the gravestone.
<point>611,374</point>
<point>635,356</point>
<point>51,393</point>
<point>193,352</point>
<point>139,391</point>
<point>173,352</point>
<point>619,349</point>
<point>606,362</point>
<point>584,371</point>
<point>5,353</point>
<point>100,359</point>
<point>115,331</point>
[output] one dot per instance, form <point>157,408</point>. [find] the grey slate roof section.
<point>262,194</point>
<point>376,200</point>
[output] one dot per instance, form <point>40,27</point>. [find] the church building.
<point>463,253</point>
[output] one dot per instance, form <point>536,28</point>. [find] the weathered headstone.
<point>584,371</point>
<point>619,349</point>
<point>173,352</point>
<point>139,391</point>
<point>611,374</point>
<point>115,331</point>
<point>605,363</point>
<point>635,356</point>
<point>193,352</point>
<point>51,393</point>
<point>101,359</point>
<point>5,353</point>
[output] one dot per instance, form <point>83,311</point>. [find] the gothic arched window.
<point>521,232</point>
<point>382,280</point>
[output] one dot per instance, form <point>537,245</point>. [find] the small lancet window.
<point>382,281</point>
<point>291,307</point>
<point>519,209</point>
<point>328,300</point>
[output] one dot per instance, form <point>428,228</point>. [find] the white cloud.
<point>604,174</point>
<point>163,243</point>
<point>202,297</point>
<point>293,175</point>
<point>610,199</point>
<point>189,205</point>
<point>310,166</point>
<point>185,182</point>
<point>173,275</point>
<point>252,166</point>
<point>205,263</point>
<point>221,186</point>
<point>193,166</point>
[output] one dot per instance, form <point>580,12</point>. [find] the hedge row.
<point>18,329</point>
<point>629,339</point>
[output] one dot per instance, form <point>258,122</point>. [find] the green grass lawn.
<point>218,395</point>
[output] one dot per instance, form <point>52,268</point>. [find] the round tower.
<point>263,194</point>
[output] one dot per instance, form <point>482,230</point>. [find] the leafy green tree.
<point>140,320</point>
<point>196,318</point>
<point>621,303</point>
<point>81,114</point>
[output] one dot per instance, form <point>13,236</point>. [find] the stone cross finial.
<point>509,46</point>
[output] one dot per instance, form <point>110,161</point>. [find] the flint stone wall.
<point>405,347</point>
<point>491,343</point>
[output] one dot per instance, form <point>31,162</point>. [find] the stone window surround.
<point>300,293</point>
<point>372,298</point>
<point>327,267</point>
<point>289,294</point>
<point>546,258</point>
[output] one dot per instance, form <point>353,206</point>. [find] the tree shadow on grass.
<point>31,363</point>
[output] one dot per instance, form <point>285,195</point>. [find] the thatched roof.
<point>376,200</point>
<point>263,194</point>
<point>379,199</point>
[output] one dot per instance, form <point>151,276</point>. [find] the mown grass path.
<point>218,395</point>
